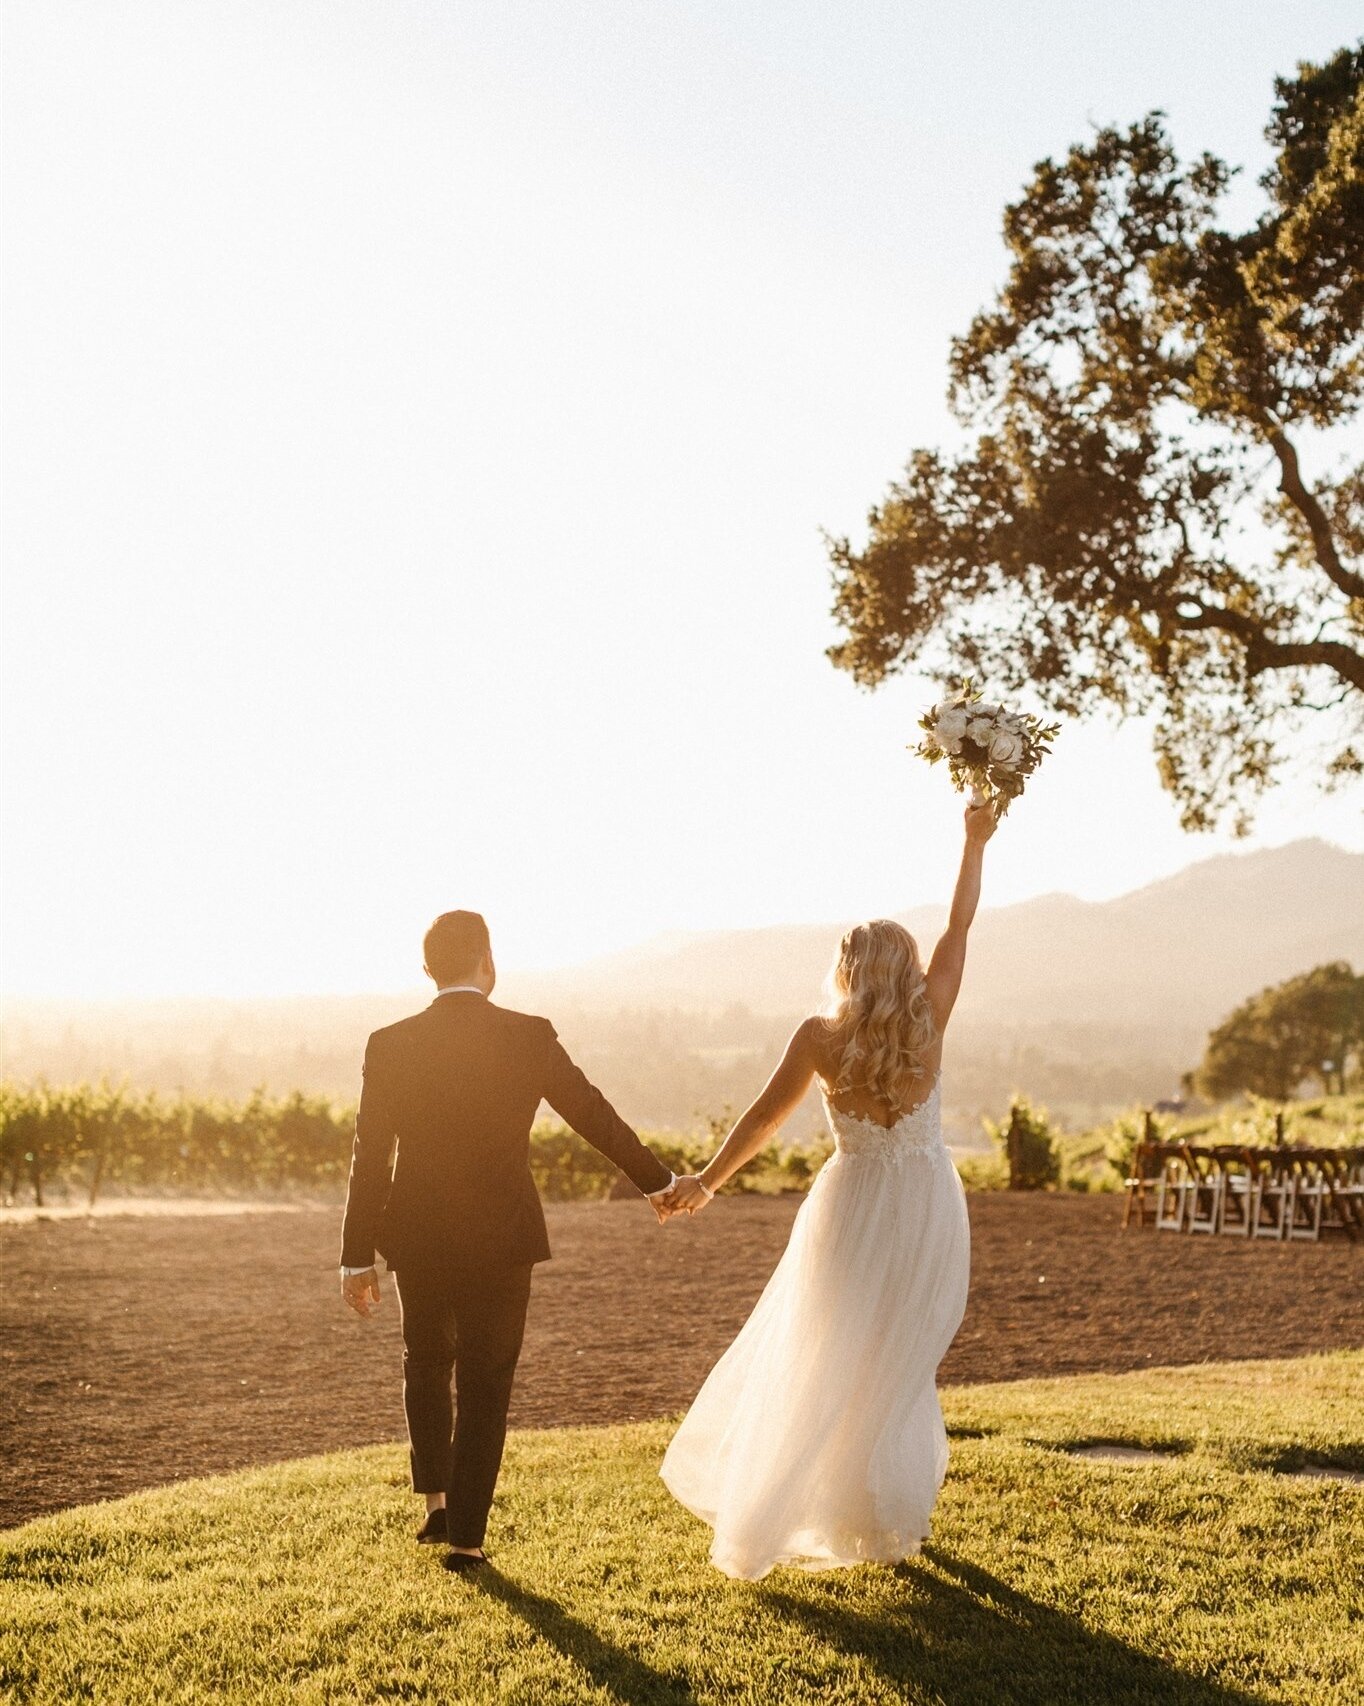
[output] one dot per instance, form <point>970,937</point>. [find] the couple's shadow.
<point>956,1635</point>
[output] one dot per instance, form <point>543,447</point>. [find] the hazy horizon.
<point>513,973</point>
<point>1066,1001</point>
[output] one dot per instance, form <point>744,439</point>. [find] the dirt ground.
<point>138,1351</point>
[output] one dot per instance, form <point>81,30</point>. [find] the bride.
<point>817,1439</point>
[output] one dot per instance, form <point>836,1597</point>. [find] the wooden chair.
<point>1174,1190</point>
<point>1311,1193</point>
<point>1271,1193</point>
<point>1206,1185</point>
<point>1236,1164</point>
<point>1143,1181</point>
<point>1343,1208</point>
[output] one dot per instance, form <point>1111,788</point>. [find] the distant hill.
<point>1087,1006</point>
<point>1182,949</point>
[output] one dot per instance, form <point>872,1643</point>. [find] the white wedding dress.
<point>817,1439</point>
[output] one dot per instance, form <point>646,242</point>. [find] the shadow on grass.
<point>1293,1460</point>
<point>619,1672</point>
<point>972,1640</point>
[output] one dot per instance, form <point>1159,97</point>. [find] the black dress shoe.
<point>433,1531</point>
<point>465,1563</point>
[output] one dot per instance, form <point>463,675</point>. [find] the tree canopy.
<point>1311,1026</point>
<point>1131,525</point>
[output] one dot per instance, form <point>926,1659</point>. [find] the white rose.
<point>950,727</point>
<point>981,730</point>
<point>1006,748</point>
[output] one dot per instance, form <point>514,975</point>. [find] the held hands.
<point>361,1291</point>
<point>687,1195</point>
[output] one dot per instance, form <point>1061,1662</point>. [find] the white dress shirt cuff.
<point>348,1273</point>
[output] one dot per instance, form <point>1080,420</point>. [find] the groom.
<point>456,1214</point>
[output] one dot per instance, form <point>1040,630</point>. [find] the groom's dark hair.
<point>455,945</point>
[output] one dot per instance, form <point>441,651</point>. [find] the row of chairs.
<point>1287,1191</point>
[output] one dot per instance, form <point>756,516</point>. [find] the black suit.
<point>457,1216</point>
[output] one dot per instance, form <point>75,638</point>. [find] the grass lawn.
<point>1050,1579</point>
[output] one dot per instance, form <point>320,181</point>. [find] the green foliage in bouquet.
<point>985,746</point>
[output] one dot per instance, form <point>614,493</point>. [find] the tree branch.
<point>1305,501</point>
<point>1263,654</point>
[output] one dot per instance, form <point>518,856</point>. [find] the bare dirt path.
<point>139,1351</point>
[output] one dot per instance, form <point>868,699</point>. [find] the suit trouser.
<point>470,1324</point>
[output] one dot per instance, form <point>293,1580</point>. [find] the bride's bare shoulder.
<point>816,1040</point>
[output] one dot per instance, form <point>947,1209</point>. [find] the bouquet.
<point>987,747</point>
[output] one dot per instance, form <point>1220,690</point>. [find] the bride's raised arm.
<point>780,1098</point>
<point>949,957</point>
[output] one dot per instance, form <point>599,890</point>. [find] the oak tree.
<point>1310,1026</point>
<point>1130,525</point>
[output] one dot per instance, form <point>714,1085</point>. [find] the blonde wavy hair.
<point>878,1014</point>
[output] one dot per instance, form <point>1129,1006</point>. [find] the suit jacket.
<point>456,1089</point>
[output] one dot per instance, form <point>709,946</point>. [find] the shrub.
<point>984,1172</point>
<point>1029,1147</point>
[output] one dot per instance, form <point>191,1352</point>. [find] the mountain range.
<point>1184,948</point>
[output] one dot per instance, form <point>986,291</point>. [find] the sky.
<point>420,420</point>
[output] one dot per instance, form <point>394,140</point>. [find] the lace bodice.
<point>917,1132</point>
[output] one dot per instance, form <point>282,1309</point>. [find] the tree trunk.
<point>35,1173</point>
